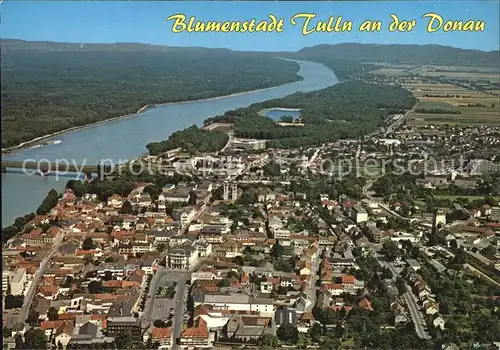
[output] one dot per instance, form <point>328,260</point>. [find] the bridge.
<point>57,167</point>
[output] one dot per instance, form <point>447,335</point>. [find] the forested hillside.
<point>346,110</point>
<point>48,87</point>
<point>408,54</point>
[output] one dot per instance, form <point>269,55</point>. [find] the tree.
<point>192,198</point>
<point>277,250</point>
<point>238,260</point>
<point>95,287</point>
<point>35,338</point>
<point>6,332</point>
<point>124,340</point>
<point>454,245</point>
<point>268,340</point>
<point>223,283</point>
<point>232,274</point>
<point>127,208</point>
<point>32,317</point>
<point>288,333</point>
<point>88,244</point>
<point>19,341</point>
<point>13,301</point>
<point>391,250</point>
<point>53,314</point>
<point>48,203</point>
<point>460,257</point>
<point>316,332</point>
<point>159,324</point>
<point>161,247</point>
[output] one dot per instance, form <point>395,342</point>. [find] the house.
<point>247,328</point>
<point>365,304</point>
<point>162,336</point>
<point>359,214</point>
<point>182,256</point>
<point>399,313</point>
<point>115,201</point>
<point>179,195</point>
<point>306,321</point>
<point>197,336</point>
<point>439,322</point>
<point>282,316</point>
<point>118,325</point>
<point>64,333</point>
<point>237,302</point>
<point>486,210</point>
<point>431,309</point>
<point>211,234</point>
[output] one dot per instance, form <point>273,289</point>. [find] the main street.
<point>311,290</point>
<point>178,314</point>
<point>416,315</point>
<point>44,266</point>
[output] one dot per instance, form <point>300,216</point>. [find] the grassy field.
<point>390,71</point>
<point>476,107</point>
<point>435,105</point>
<point>468,73</point>
<point>458,73</point>
<point>453,198</point>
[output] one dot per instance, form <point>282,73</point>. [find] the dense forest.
<point>409,54</point>
<point>191,140</point>
<point>48,87</point>
<point>346,110</point>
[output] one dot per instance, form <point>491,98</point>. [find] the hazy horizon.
<point>225,48</point>
<point>145,22</point>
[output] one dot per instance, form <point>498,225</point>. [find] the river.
<point>125,139</point>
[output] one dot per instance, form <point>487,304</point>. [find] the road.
<point>315,155</point>
<point>229,141</point>
<point>178,314</point>
<point>44,266</point>
<point>311,291</point>
<point>411,301</point>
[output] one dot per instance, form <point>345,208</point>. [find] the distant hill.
<point>49,87</point>
<point>409,54</point>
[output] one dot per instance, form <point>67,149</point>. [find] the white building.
<point>239,302</point>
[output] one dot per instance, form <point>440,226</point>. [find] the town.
<point>312,247</point>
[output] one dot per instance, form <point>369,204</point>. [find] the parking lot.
<point>161,307</point>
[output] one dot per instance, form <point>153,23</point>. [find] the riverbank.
<point>140,111</point>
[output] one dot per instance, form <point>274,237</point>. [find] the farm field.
<point>475,107</point>
<point>468,73</point>
<point>469,198</point>
<point>391,71</point>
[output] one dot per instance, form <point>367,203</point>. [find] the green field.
<point>435,105</point>
<point>416,119</point>
<point>453,198</point>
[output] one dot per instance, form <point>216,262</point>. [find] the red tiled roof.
<point>161,333</point>
<point>50,324</point>
<point>346,279</point>
<point>365,304</point>
<point>197,332</point>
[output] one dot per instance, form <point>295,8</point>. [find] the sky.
<point>145,22</point>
